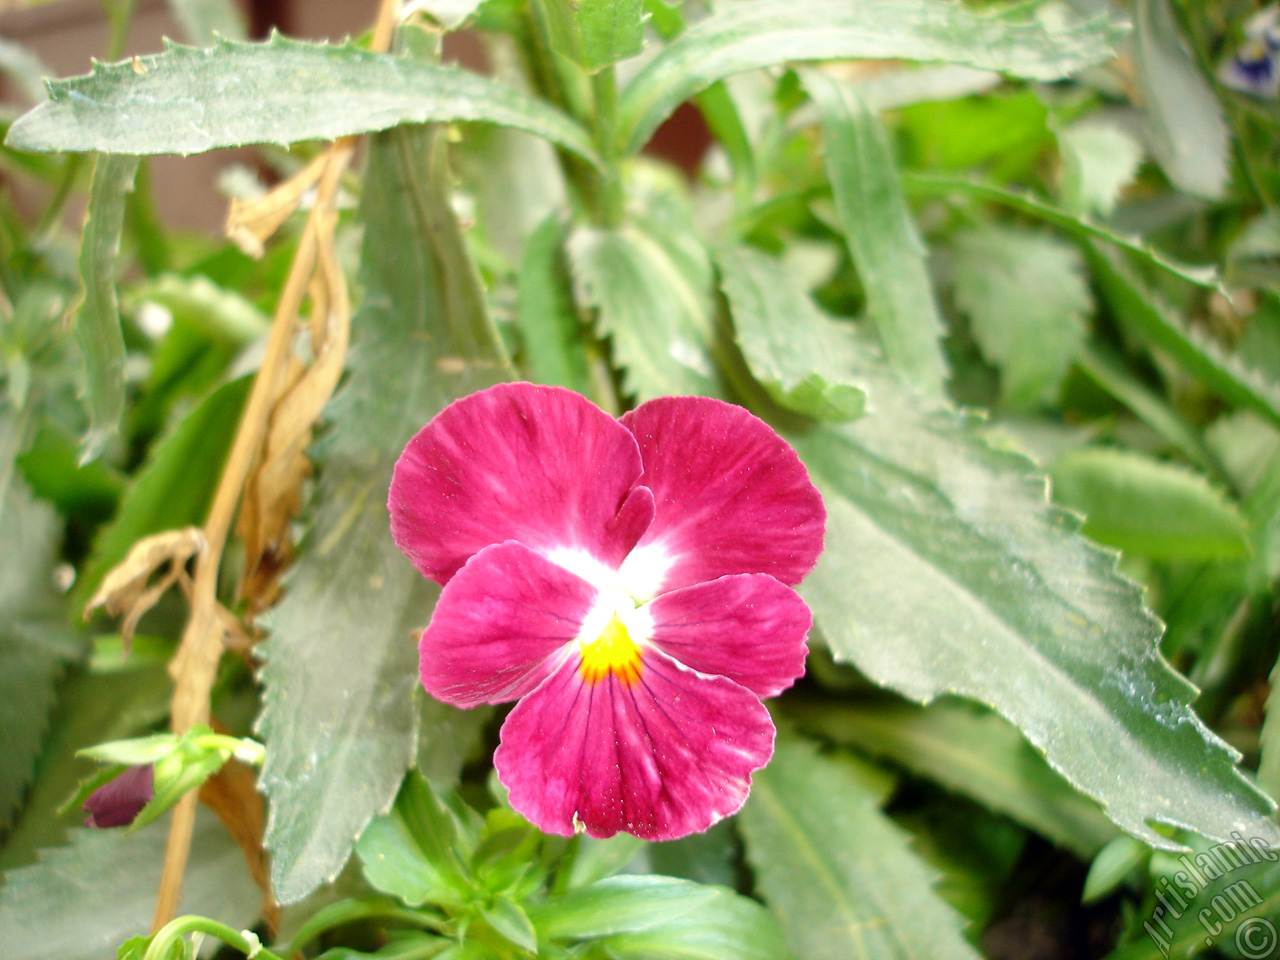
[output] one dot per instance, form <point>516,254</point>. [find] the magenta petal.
<point>499,625</point>
<point>118,802</point>
<point>541,465</point>
<point>732,496</point>
<point>749,628</point>
<point>661,758</point>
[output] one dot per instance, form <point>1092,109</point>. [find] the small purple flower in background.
<point>1254,68</point>
<point>118,802</point>
<point>628,581</point>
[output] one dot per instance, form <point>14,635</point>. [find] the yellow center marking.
<point>612,652</point>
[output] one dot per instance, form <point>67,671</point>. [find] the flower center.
<point>613,651</point>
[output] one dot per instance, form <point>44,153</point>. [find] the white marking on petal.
<point>644,570</point>
<point>612,603</point>
<point>640,576</point>
<point>584,565</point>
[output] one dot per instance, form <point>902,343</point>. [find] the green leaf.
<point>1184,121</point>
<point>209,328</point>
<point>448,737</point>
<point>1262,510</point>
<point>652,289</point>
<point>188,100</point>
<point>947,571</point>
<point>1080,227</point>
<point>598,859</point>
<point>1219,369</point>
<point>623,904</point>
<point>420,288</point>
<point>883,241</point>
<point>610,30</point>
<point>91,707</point>
<point>80,902</point>
<point>1112,866</point>
<point>1004,133</point>
<point>35,644</point>
<point>730,928</point>
<point>709,857</point>
<point>1026,296</point>
<point>661,917</point>
<point>552,332</point>
<point>222,316</point>
<point>971,751</point>
<point>1141,505</point>
<point>517,183</point>
<point>412,852</point>
<point>175,486</point>
<point>1235,901</point>
<point>97,315</point>
<point>51,469</point>
<point>1098,161</point>
<point>805,360</point>
<point>1110,373</point>
<point>342,730</point>
<point>766,32</point>
<point>838,873</point>
<point>1269,738</point>
<point>182,764</point>
<point>135,751</point>
<point>513,923</point>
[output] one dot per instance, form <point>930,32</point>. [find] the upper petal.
<point>662,756</point>
<point>499,625</point>
<point>542,465</point>
<point>731,495</point>
<point>750,628</point>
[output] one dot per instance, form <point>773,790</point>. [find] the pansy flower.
<point>1254,68</point>
<point>628,581</point>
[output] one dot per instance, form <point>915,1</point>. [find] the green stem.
<point>175,930</point>
<point>349,911</point>
<point>120,14</point>
<point>604,88</point>
<point>582,179</point>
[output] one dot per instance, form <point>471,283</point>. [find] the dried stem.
<point>195,665</point>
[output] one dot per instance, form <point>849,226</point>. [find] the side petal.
<point>750,628</point>
<point>499,625</point>
<point>542,465</point>
<point>731,496</point>
<point>662,757</point>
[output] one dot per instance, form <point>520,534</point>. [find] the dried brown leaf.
<point>127,590</point>
<point>232,794</point>
<point>250,223</point>
<point>273,491</point>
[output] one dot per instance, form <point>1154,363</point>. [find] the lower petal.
<point>749,628</point>
<point>660,757</point>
